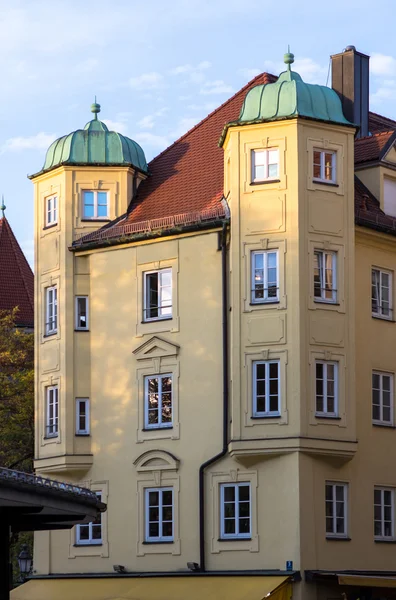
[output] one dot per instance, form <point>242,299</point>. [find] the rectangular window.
<point>336,509</point>
<point>90,534</point>
<point>382,394</point>
<point>157,295</point>
<point>95,205</point>
<point>265,284</point>
<point>266,388</point>
<point>52,411</point>
<point>235,510</point>
<point>325,276</point>
<point>159,514</point>
<point>383,513</point>
<point>158,401</point>
<point>381,293</point>
<point>51,310</point>
<point>324,166</point>
<point>265,164</point>
<point>81,312</point>
<point>51,211</point>
<point>82,416</point>
<point>326,388</point>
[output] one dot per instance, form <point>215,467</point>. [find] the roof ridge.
<point>217,109</point>
<point>18,253</point>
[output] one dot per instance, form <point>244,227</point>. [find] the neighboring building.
<point>215,347</point>
<point>16,277</point>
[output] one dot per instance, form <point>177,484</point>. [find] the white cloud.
<point>216,87</point>
<point>181,69</point>
<point>119,126</point>
<point>310,71</point>
<point>147,122</point>
<point>387,91</point>
<point>381,64</point>
<point>208,106</point>
<point>28,250</point>
<point>249,73</point>
<point>40,141</point>
<point>151,139</point>
<point>86,66</point>
<point>147,81</point>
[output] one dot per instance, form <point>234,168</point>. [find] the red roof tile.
<point>16,277</point>
<point>379,123</point>
<point>370,148</point>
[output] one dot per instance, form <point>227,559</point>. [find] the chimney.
<point>350,79</point>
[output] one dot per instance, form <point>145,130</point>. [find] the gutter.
<point>223,451</point>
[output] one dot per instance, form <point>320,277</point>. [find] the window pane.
<point>167,529</point>
<point>153,498</point>
<point>272,170</point>
<point>167,497</point>
<point>102,211</point>
<point>229,509</point>
<point>229,494</point>
<point>229,526</point>
<point>259,173</point>
<point>154,529</point>
<point>244,526</point>
<point>83,532</point>
<point>244,492</point>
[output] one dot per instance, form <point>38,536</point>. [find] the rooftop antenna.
<point>3,206</point>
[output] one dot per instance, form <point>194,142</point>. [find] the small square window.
<point>384,525</point>
<point>382,398</point>
<point>265,164</point>
<point>265,283</point>
<point>266,388</point>
<point>52,412</point>
<point>51,310</point>
<point>159,516</point>
<point>82,312</point>
<point>82,416</point>
<point>324,166</point>
<point>90,534</point>
<point>326,388</point>
<point>157,295</point>
<point>336,509</point>
<point>95,205</point>
<point>381,294</point>
<point>325,276</point>
<point>235,508</point>
<point>51,211</point>
<point>158,401</point>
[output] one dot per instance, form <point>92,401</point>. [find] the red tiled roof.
<point>188,176</point>
<point>370,148</point>
<point>16,277</point>
<point>379,123</point>
<point>368,212</point>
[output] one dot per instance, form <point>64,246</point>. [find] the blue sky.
<point>158,67</point>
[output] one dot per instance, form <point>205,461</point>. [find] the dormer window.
<point>95,205</point>
<point>265,165</point>
<point>324,166</point>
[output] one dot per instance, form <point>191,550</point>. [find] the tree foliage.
<point>16,394</point>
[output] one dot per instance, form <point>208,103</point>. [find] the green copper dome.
<point>290,97</point>
<point>95,145</point>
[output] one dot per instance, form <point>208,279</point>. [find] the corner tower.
<point>89,177</point>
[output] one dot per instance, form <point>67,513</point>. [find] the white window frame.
<point>266,299</point>
<point>264,152</point>
<point>267,412</point>
<point>334,485</point>
<point>51,405</point>
<point>90,541</point>
<point>237,534</point>
<point>382,536</point>
<point>162,314</point>
<point>77,327</point>
<point>325,412</point>
<point>322,178</point>
<point>160,538</point>
<point>381,375</point>
<point>160,424</point>
<point>51,210</point>
<point>95,205</point>
<point>379,313</point>
<point>79,402</point>
<point>51,307</point>
<point>322,272</point>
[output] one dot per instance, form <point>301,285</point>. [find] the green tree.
<point>16,394</point>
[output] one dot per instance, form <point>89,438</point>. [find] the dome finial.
<point>3,206</point>
<point>95,108</point>
<point>288,58</point>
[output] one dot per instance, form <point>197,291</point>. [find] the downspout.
<point>225,402</point>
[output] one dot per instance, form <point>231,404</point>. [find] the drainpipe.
<point>217,457</point>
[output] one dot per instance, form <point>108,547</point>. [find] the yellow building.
<point>215,350</point>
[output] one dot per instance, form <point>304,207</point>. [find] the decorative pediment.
<point>156,460</point>
<point>156,347</point>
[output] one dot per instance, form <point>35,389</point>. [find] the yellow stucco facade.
<point>286,458</point>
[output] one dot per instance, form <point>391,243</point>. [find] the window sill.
<point>379,318</point>
<point>386,425</point>
<point>277,416</point>
<point>149,543</point>
<point>326,302</point>
<point>235,539</point>
<point>391,541</point>
<point>264,302</point>
<point>83,435</point>
<point>51,437</point>
<point>88,545</point>
<point>164,427</point>
<point>333,417</point>
<point>50,226</point>
<point>334,538</point>
<point>94,220</point>
<point>81,330</point>
<point>156,320</point>
<point>322,182</point>
<point>48,335</point>
<point>265,181</point>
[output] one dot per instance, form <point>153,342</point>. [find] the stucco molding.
<point>156,460</point>
<point>156,347</point>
